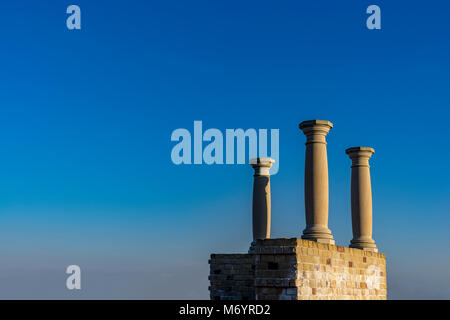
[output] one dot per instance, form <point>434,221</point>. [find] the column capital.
<point>262,166</point>
<point>311,125</point>
<point>360,155</point>
<point>360,151</point>
<point>315,130</point>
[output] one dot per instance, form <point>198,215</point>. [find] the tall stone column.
<point>361,199</point>
<point>316,181</point>
<point>261,197</point>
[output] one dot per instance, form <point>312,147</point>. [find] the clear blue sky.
<point>86,117</point>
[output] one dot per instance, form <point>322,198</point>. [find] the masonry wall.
<point>296,269</point>
<point>232,277</point>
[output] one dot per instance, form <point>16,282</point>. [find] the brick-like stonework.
<point>232,277</point>
<point>296,269</point>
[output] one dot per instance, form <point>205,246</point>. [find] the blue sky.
<point>86,118</point>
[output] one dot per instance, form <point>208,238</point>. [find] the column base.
<point>364,244</point>
<point>318,234</point>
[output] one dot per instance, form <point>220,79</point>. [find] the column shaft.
<point>316,181</point>
<point>361,199</point>
<point>261,208</point>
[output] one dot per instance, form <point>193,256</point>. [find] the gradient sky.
<point>86,118</point>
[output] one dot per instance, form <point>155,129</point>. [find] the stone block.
<point>298,269</point>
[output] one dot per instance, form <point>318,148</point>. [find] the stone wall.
<point>296,269</point>
<point>232,277</point>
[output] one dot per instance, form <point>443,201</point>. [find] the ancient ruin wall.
<point>297,269</point>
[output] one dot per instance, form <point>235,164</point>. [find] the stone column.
<point>316,181</point>
<point>361,199</point>
<point>261,197</point>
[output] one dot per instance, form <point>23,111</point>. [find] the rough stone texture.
<point>232,277</point>
<point>298,269</point>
